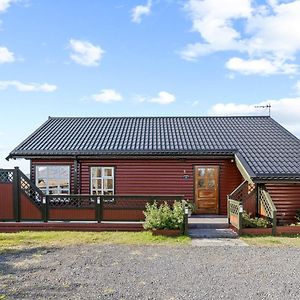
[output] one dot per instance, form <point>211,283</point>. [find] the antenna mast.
<point>268,106</point>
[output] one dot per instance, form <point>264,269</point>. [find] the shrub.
<point>249,222</point>
<point>163,216</point>
<point>297,217</point>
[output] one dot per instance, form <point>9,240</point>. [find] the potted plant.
<point>163,219</point>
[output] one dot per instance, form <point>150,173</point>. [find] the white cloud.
<point>267,32</point>
<point>285,110</point>
<point>139,11</point>
<point>162,98</point>
<point>107,96</point>
<point>85,53</point>
<point>260,66</point>
<point>4,5</point>
<point>27,87</point>
<point>6,56</point>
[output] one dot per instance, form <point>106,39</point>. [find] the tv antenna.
<point>268,106</point>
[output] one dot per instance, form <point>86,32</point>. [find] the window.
<point>102,180</point>
<point>53,179</point>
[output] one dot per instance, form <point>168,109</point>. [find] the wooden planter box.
<point>256,231</point>
<point>288,230</point>
<point>167,232</point>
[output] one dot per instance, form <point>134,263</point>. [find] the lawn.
<point>10,241</point>
<point>286,240</point>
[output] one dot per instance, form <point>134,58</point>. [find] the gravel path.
<point>152,272</point>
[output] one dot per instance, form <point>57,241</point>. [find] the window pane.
<point>41,172</point>
<point>201,183</point>
<point>108,172</point>
<point>53,191</point>
<point>41,183</point>
<point>201,172</point>
<point>108,193</point>
<point>62,183</point>
<point>96,172</point>
<point>107,184</point>
<point>63,172</point>
<point>53,172</point>
<point>211,183</point>
<point>96,184</point>
<point>52,183</point>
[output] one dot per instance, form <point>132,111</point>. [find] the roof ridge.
<point>160,117</point>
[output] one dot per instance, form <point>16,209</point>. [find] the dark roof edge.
<point>29,137</point>
<point>24,154</point>
<point>283,128</point>
<point>245,164</point>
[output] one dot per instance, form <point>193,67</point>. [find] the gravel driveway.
<point>152,272</point>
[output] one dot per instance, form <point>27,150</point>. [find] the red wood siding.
<point>286,198</point>
<point>6,201</point>
<point>162,176</point>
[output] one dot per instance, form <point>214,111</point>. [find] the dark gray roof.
<point>266,148</point>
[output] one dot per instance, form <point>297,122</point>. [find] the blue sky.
<point>145,58</point>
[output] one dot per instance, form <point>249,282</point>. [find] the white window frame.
<point>47,177</point>
<point>102,177</point>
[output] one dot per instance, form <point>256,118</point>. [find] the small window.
<point>53,179</point>
<point>102,180</point>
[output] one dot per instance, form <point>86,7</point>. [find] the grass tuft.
<point>283,241</point>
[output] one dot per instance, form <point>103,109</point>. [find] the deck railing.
<point>256,203</point>
<point>22,200</point>
<point>267,208</point>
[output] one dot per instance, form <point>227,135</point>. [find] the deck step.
<point>212,233</point>
<point>208,226</point>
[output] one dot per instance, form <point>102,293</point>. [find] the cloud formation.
<point>260,66</point>
<point>85,53</point>
<point>162,98</point>
<point>139,11</point>
<point>6,56</point>
<point>107,96</point>
<point>4,5</point>
<point>267,33</point>
<point>27,87</point>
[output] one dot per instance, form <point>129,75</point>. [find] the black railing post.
<point>185,220</point>
<point>45,208</point>
<point>240,217</point>
<point>17,194</point>
<point>99,206</point>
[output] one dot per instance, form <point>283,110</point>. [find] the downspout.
<point>75,166</point>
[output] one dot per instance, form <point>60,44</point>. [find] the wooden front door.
<point>207,189</point>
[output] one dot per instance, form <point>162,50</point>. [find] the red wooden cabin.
<point>202,159</point>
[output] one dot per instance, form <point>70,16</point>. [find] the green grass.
<point>26,239</point>
<point>283,241</point>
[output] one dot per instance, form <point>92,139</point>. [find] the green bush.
<point>249,222</point>
<point>297,217</point>
<point>163,216</point>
